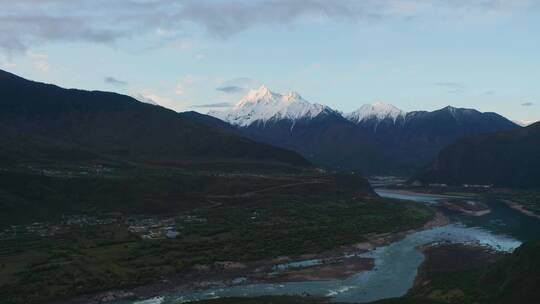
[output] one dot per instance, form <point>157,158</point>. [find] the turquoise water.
<point>298,264</point>
<point>504,220</point>
<point>410,196</point>
<point>395,264</point>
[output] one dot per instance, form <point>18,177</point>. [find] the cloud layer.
<point>115,82</point>
<point>230,89</point>
<point>214,105</point>
<point>25,23</point>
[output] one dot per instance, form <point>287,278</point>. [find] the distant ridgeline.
<point>510,159</point>
<point>375,139</point>
<point>42,122</point>
<point>45,122</point>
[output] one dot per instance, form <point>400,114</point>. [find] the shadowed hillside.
<point>513,279</point>
<point>503,159</point>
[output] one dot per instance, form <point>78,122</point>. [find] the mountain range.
<point>45,122</point>
<point>375,139</point>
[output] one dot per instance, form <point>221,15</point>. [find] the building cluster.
<point>79,171</point>
<point>147,228</point>
<point>477,186</point>
<point>153,228</point>
<point>34,229</point>
<point>84,220</point>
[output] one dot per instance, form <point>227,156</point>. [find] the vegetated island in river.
<point>477,198</point>
<point>467,206</point>
<point>521,208</point>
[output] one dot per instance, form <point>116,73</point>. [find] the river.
<point>396,264</point>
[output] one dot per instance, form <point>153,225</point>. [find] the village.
<point>147,228</point>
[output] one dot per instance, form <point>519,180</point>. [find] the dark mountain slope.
<point>514,278</point>
<point>415,139</point>
<point>209,121</point>
<point>509,158</point>
<point>327,139</point>
<point>117,126</point>
<point>375,146</point>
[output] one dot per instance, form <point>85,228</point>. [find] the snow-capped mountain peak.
<point>262,105</point>
<point>260,95</point>
<point>292,96</point>
<point>378,110</point>
<point>262,92</point>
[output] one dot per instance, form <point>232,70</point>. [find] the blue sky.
<point>190,55</point>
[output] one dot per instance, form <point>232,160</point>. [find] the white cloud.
<point>8,65</point>
<point>179,89</point>
<point>26,23</point>
<point>185,83</point>
<point>524,122</point>
<point>145,97</point>
<point>40,61</point>
<point>150,96</point>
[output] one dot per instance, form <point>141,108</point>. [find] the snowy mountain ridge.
<point>376,138</point>
<point>379,111</point>
<point>263,105</point>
